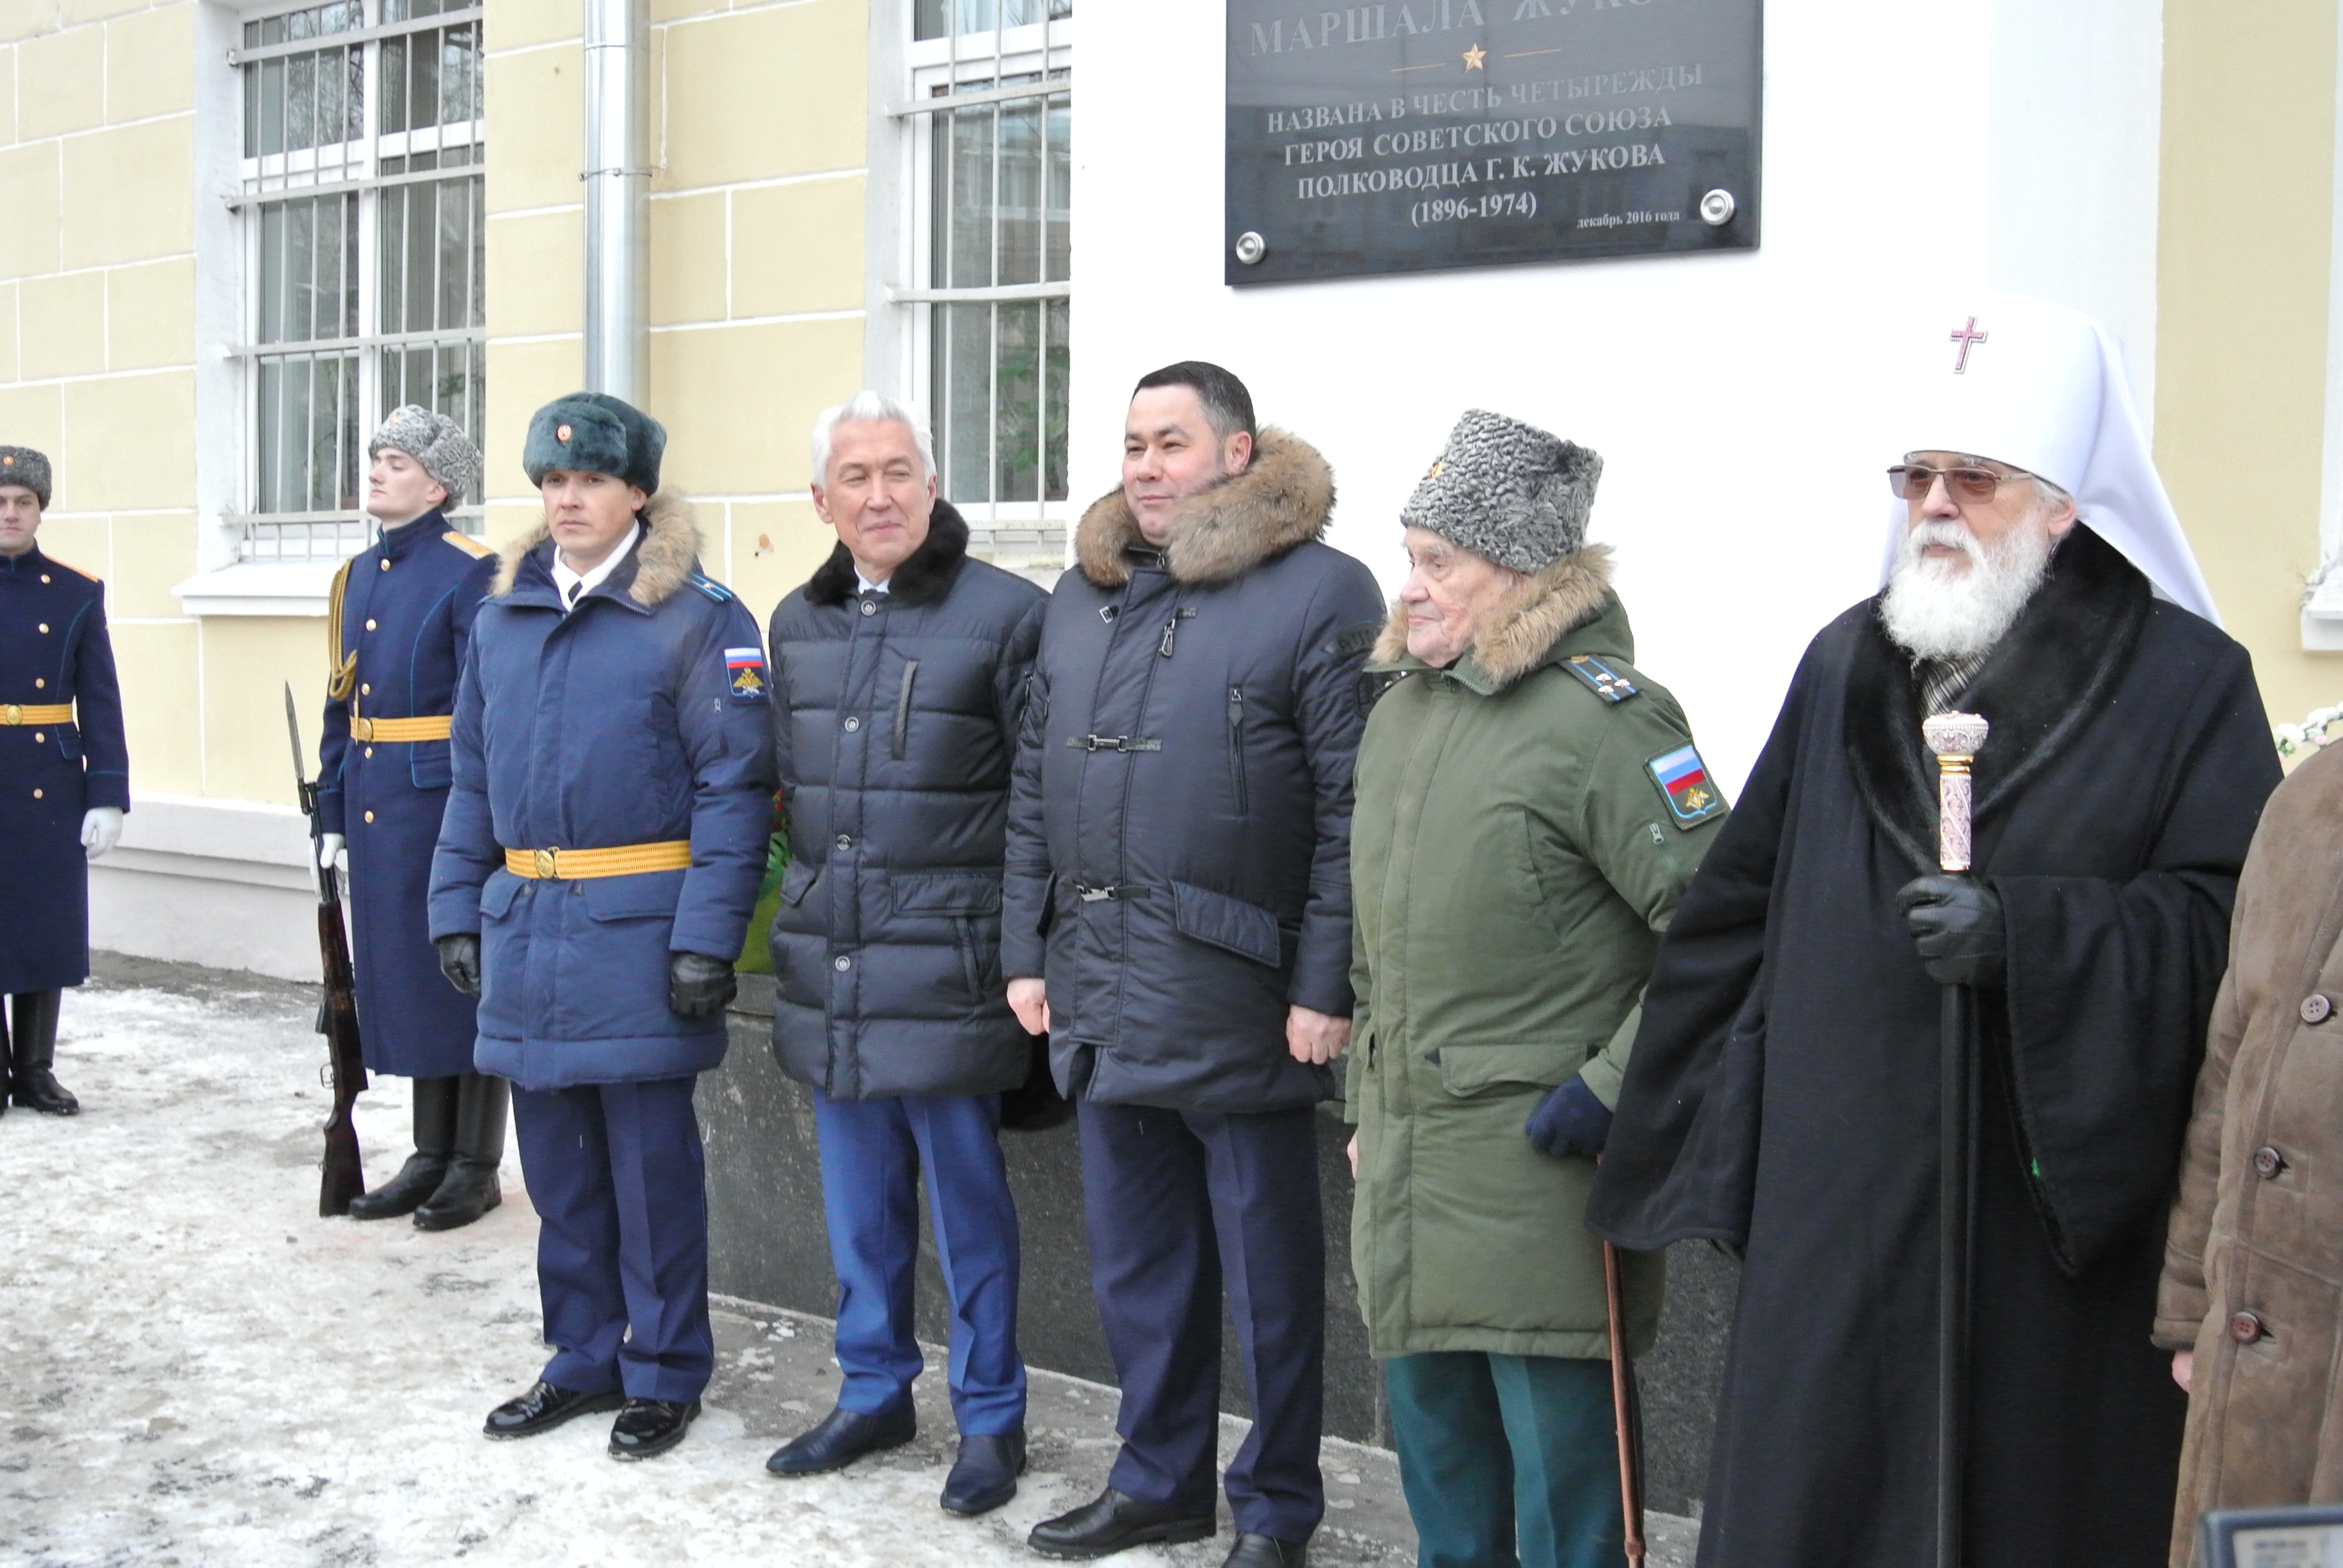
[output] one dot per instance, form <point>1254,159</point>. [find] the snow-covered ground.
<point>195,1369</point>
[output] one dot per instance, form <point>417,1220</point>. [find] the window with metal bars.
<point>992,107</point>
<point>363,233</point>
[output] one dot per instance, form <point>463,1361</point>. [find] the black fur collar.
<point>925,578</point>
<point>2048,677</point>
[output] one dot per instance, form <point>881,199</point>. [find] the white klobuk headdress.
<point>2041,387</point>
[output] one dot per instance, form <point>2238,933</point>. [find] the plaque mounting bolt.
<point>1252,247</point>
<point>1717,208</point>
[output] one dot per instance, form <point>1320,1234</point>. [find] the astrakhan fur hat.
<point>23,465</point>
<point>1508,491</point>
<point>437,442</point>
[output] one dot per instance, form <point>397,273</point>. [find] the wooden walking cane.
<point>1955,739</point>
<point>1622,1408</point>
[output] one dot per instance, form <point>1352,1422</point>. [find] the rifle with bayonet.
<point>338,1015</point>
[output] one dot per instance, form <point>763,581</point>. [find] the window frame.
<point>353,167</point>
<point>1044,50</point>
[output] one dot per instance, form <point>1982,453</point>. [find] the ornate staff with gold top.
<point>1955,739</point>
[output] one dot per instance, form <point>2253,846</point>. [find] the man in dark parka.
<point>64,779</point>
<point>605,832</point>
<point>1782,1098</point>
<point>898,677</point>
<point>400,624</point>
<point>1179,921</point>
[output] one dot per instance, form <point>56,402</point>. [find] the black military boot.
<point>32,1052</point>
<point>435,1145</point>
<point>471,1189</point>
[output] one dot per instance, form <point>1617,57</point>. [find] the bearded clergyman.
<point>1782,1099</point>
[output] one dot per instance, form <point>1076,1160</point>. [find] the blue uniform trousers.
<point>1179,1204</point>
<point>620,1183</point>
<point>872,1153</point>
<point>1508,1461</point>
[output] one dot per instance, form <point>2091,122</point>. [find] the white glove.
<point>329,849</point>
<point>101,830</point>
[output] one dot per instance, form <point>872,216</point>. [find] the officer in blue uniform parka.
<point>401,619</point>
<point>899,682</point>
<point>65,779</point>
<point>604,840</point>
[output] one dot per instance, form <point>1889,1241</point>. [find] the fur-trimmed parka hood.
<point>1283,498</point>
<point>1527,624</point>
<point>663,557</point>
<point>924,577</point>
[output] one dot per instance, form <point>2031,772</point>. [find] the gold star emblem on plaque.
<point>1473,57</point>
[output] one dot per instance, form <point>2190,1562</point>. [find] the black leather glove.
<point>698,986</point>
<point>1957,924</point>
<point>1570,1121</point>
<point>459,960</point>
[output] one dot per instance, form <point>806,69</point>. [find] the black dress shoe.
<point>1115,1522</point>
<point>1266,1551</point>
<point>545,1407</point>
<point>985,1474</point>
<point>843,1437</point>
<point>405,1192</point>
<point>648,1426</point>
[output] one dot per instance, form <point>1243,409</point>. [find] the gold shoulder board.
<point>468,544</point>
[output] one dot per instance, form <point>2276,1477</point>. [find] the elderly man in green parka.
<point>1529,808</point>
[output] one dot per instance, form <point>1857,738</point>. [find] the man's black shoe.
<point>545,1407</point>
<point>844,1436</point>
<point>1115,1522</point>
<point>648,1426</point>
<point>1266,1551</point>
<point>405,1192</point>
<point>985,1474</point>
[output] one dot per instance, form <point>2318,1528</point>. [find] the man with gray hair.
<point>898,681</point>
<point>400,622</point>
<point>1782,1095</point>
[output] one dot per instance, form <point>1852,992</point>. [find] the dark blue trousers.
<point>618,1178</point>
<point>1180,1204</point>
<point>872,1153</point>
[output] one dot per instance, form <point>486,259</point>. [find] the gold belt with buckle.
<point>620,860</point>
<point>431,726</point>
<point>35,713</point>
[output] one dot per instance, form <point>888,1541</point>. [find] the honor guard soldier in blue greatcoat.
<point>64,779</point>
<point>599,859</point>
<point>402,617</point>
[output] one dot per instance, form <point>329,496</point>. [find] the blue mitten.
<point>1569,1121</point>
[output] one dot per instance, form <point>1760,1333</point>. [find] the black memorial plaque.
<point>1411,134</point>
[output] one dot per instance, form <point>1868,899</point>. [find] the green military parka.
<point>1525,823</point>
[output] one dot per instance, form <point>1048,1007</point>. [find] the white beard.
<point>1933,611</point>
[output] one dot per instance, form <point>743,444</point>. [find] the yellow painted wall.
<point>97,327</point>
<point>2241,336</point>
<point>755,256</point>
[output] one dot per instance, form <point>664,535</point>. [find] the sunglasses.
<point>1911,482</point>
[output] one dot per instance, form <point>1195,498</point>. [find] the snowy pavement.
<point>195,1369</point>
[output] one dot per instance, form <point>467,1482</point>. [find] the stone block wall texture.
<point>97,346</point>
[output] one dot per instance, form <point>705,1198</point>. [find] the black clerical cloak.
<point>1782,1098</point>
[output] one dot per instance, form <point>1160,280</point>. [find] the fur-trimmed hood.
<point>663,557</point>
<point>1537,613</point>
<point>924,577</point>
<point>1283,498</point>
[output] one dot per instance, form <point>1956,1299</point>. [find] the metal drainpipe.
<point>618,178</point>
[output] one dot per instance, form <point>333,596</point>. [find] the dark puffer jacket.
<point>896,732</point>
<point>1179,838</point>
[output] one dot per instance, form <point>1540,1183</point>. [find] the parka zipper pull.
<point>1172,630</point>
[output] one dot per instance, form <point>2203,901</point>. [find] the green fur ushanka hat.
<point>23,465</point>
<point>595,433</point>
<point>1508,491</point>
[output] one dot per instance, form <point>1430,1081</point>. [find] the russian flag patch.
<point>1692,796</point>
<point>744,669</point>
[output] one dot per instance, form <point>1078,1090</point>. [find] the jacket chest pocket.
<point>903,707</point>
<point>1237,751</point>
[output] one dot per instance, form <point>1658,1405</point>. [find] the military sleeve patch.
<point>744,670</point>
<point>1601,679</point>
<point>1691,795</point>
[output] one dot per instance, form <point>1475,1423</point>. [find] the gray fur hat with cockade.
<point>1508,491</point>
<point>23,465</point>
<point>437,442</point>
